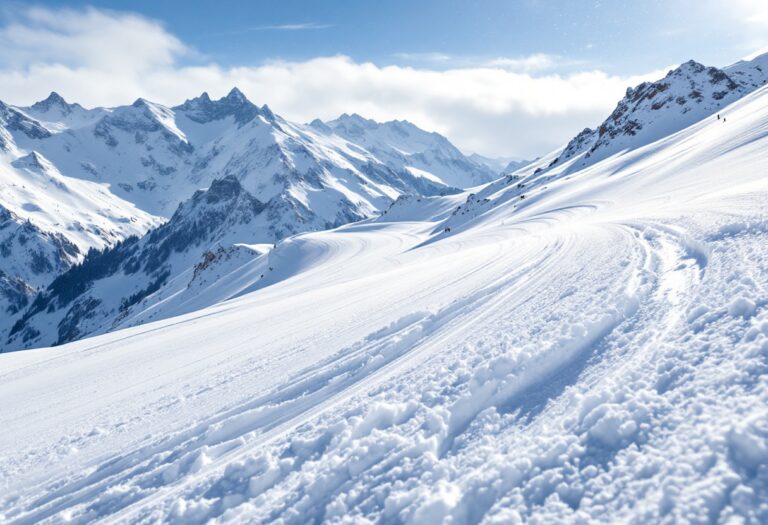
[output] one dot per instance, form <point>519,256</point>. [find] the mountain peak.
<point>225,188</point>
<point>53,100</point>
<point>358,118</point>
<point>691,65</point>
<point>235,95</point>
<point>354,120</point>
<point>202,109</point>
<point>651,110</point>
<point>320,126</point>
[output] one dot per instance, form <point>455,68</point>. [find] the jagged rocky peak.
<point>688,93</point>
<point>236,96</point>
<point>226,195</point>
<point>56,101</point>
<point>691,82</point>
<point>202,109</point>
<point>355,125</point>
<point>692,75</point>
<point>355,118</point>
<point>224,189</point>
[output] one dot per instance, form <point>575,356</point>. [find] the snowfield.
<point>582,346</point>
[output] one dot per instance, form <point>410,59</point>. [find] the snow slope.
<point>591,348</point>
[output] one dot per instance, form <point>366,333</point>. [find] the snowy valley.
<point>354,322</point>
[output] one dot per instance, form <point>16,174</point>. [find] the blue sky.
<point>620,37</point>
<point>499,77</point>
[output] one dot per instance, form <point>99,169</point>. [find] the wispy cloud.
<point>292,27</point>
<point>748,20</point>
<point>537,62</point>
<point>426,57</point>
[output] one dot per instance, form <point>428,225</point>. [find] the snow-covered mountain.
<point>31,258</point>
<point>653,110</point>
<point>154,156</point>
<point>514,165</point>
<point>400,144</point>
<point>49,220</point>
<point>501,165</point>
<point>589,348</point>
<point>57,115</point>
<point>102,292</point>
<point>90,178</point>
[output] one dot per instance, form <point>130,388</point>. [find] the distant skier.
<point>718,116</point>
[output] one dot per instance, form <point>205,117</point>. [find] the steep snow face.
<point>101,292</point>
<point>29,259</point>
<point>654,110</point>
<point>594,352</point>
<point>84,212</point>
<point>402,145</point>
<point>49,221</point>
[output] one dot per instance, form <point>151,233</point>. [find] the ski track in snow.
<point>598,353</point>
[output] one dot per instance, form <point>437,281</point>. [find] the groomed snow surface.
<point>595,352</point>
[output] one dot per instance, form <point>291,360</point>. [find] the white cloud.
<point>745,22</point>
<point>87,38</point>
<point>292,27</point>
<point>751,12</point>
<point>109,58</point>
<point>441,58</point>
<point>537,62</point>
